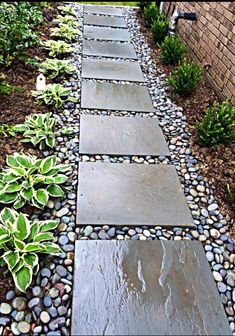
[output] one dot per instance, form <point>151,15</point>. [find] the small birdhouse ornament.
<point>41,82</point>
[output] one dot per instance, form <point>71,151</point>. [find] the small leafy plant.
<point>218,125</point>
<point>67,19</point>
<point>143,4</point>
<point>31,180</point>
<point>6,88</point>
<point>67,10</point>
<point>57,47</point>
<point>185,78</point>
<point>151,14</point>
<point>172,50</point>
<point>65,32</point>
<point>7,130</point>
<point>39,130</point>
<point>56,67</point>
<point>159,29</point>
<point>21,241</point>
<point>54,94</point>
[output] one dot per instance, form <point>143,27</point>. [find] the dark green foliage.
<point>17,29</point>
<point>151,13</point>
<point>159,29</point>
<point>143,4</point>
<point>185,78</point>
<point>218,125</point>
<point>172,50</point>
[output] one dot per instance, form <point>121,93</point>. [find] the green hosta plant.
<point>56,67</point>
<point>39,130</point>
<point>65,32</point>
<point>172,50</point>
<point>54,94</point>
<point>57,47</point>
<point>31,180</point>
<point>67,10</point>
<point>185,78</point>
<point>67,19</point>
<point>20,243</point>
<point>218,125</point>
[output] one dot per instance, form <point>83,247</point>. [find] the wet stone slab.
<point>121,136</point>
<point>122,97</point>
<point>109,49</point>
<point>116,70</point>
<point>104,33</point>
<point>108,21</point>
<point>105,10</point>
<point>131,194</point>
<point>145,288</point>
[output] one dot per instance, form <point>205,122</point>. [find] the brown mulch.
<point>14,108</point>
<point>216,164</point>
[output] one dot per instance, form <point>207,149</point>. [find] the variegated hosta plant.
<point>56,67</point>
<point>65,32</point>
<point>31,180</point>
<point>57,48</point>
<point>21,241</point>
<point>53,94</point>
<point>39,130</point>
<point>67,10</point>
<point>67,19</point>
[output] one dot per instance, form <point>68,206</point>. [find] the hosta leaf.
<point>41,196</point>
<point>22,227</point>
<point>4,237</point>
<point>40,120</point>
<point>19,244</point>
<point>21,128</point>
<point>23,161</point>
<point>49,180</point>
<point>33,247</point>
<point>18,171</point>
<point>8,198</point>
<point>43,237</point>
<point>12,187</point>
<point>52,172</point>
<point>23,278</point>
<point>59,179</point>
<point>7,215</point>
<point>11,178</point>
<point>51,248</point>
<point>34,229</point>
<point>18,265</point>
<point>11,161</point>
<point>36,204</point>
<point>50,141</point>
<point>49,225</point>
<point>31,259</point>
<point>55,191</point>
<point>19,204</point>
<point>11,258</point>
<point>47,164</point>
<point>27,194</point>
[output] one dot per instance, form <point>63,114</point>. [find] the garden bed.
<point>216,163</point>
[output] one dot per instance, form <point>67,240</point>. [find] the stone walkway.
<point>132,287</point>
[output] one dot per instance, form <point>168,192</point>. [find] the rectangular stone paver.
<point>131,194</point>
<point>105,10</point>
<point>107,21</point>
<point>145,288</point>
<point>121,136</point>
<point>109,96</point>
<point>109,49</point>
<point>105,33</point>
<point>118,70</point>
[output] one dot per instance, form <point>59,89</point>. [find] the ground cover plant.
<point>57,48</point>
<point>56,67</point>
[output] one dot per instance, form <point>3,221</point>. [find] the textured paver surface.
<point>109,49</point>
<point>131,194</point>
<point>109,96</point>
<point>118,70</point>
<point>103,10</point>
<point>145,288</point>
<point>121,136</point>
<point>108,21</point>
<point>105,33</point>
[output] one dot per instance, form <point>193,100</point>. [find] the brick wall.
<point>211,40</point>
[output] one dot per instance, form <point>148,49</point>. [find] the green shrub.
<point>56,67</point>
<point>218,125</point>
<point>57,47</point>
<point>54,94</point>
<point>151,13</point>
<point>21,241</point>
<point>159,29</point>
<point>39,130</point>
<point>143,4</point>
<point>65,32</point>
<point>17,33</point>
<point>172,50</point>
<point>31,180</point>
<point>185,78</point>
